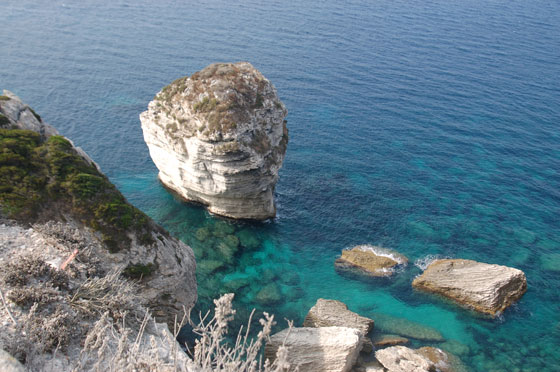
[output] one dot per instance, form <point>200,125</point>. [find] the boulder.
<point>325,349</point>
<point>370,260</point>
<point>219,138</point>
<point>425,359</point>
<point>381,340</point>
<point>331,313</point>
<point>9,364</point>
<point>403,359</point>
<point>483,287</point>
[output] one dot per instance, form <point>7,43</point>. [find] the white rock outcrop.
<point>325,349</point>
<point>15,114</point>
<point>483,287</point>
<point>404,359</point>
<point>219,138</point>
<point>333,313</point>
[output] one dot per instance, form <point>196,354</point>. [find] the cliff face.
<point>219,138</point>
<point>44,179</point>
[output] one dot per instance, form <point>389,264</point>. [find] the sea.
<point>427,127</point>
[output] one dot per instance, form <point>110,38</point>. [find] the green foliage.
<point>86,186</point>
<point>259,101</point>
<point>35,114</point>
<point>49,179</point>
<point>139,271</point>
<point>205,105</point>
<point>4,98</point>
<point>4,121</point>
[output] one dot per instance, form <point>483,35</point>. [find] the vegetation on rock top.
<point>45,179</point>
<point>229,93</point>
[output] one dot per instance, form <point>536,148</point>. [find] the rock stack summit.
<point>219,138</point>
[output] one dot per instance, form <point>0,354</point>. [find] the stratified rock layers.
<point>484,287</point>
<point>332,313</point>
<point>325,349</point>
<point>219,138</point>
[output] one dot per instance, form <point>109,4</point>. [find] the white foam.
<point>383,252</point>
<point>424,262</point>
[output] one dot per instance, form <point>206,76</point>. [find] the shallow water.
<point>430,128</point>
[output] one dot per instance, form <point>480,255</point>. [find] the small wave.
<point>424,262</point>
<point>383,252</point>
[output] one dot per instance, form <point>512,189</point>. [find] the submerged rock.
<point>269,294</point>
<point>370,260</point>
<point>330,313</point>
<point>406,328</point>
<point>325,349</point>
<point>384,340</point>
<point>483,287</point>
<point>219,138</point>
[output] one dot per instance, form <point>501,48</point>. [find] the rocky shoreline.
<point>84,272</point>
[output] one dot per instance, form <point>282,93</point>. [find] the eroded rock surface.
<point>370,260</point>
<point>219,138</point>
<point>9,364</point>
<point>332,313</point>
<point>483,287</point>
<point>404,359</point>
<point>325,349</point>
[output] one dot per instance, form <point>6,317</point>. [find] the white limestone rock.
<point>325,349</point>
<point>9,364</point>
<point>403,359</point>
<point>219,138</point>
<point>332,313</point>
<point>483,287</point>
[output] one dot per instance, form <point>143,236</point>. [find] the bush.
<point>35,174</point>
<point>139,271</point>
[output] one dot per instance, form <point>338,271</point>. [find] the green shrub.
<point>40,179</point>
<point>139,271</point>
<point>35,114</point>
<point>259,101</point>
<point>4,121</point>
<point>4,98</point>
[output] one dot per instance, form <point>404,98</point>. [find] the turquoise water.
<point>428,127</point>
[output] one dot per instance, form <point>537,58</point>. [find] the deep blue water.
<point>429,127</point>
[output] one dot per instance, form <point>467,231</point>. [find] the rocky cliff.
<point>219,138</point>
<point>47,183</point>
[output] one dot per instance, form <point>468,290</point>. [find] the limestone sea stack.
<point>219,138</point>
<point>483,287</point>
